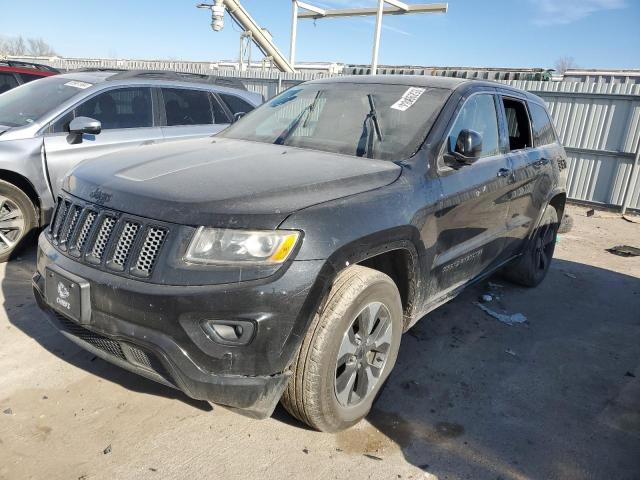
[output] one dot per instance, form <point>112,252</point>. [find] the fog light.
<point>230,332</point>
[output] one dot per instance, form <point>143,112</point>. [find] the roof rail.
<point>34,66</point>
<point>180,76</point>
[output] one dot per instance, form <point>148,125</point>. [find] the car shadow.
<point>17,294</point>
<point>554,397</point>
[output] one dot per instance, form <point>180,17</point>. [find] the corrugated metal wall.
<point>599,123</point>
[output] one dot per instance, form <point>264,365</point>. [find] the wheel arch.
<point>393,252</point>
<point>23,183</point>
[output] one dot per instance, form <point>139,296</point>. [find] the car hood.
<point>4,128</point>
<point>223,182</point>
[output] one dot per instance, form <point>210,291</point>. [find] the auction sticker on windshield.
<point>78,84</point>
<point>409,98</point>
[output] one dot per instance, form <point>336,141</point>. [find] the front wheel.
<point>17,219</point>
<point>532,267</point>
<point>348,353</point>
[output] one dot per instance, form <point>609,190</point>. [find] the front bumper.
<point>156,330</point>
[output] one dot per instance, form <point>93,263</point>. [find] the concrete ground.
<point>555,398</point>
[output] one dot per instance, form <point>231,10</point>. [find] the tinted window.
<point>7,82</point>
<point>28,77</point>
<point>29,102</point>
<point>517,124</point>
<point>236,104</point>
<point>543,133</point>
<point>187,107</point>
<point>478,114</point>
<point>121,108</point>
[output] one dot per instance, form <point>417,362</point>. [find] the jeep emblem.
<point>100,197</point>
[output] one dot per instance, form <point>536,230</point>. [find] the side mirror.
<point>80,125</point>
<point>238,116</point>
<point>468,149</point>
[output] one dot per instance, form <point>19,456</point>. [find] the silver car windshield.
<point>382,121</point>
<point>26,104</point>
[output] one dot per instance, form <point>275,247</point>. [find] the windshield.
<point>387,122</point>
<point>26,104</point>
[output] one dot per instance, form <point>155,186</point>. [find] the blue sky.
<point>516,33</point>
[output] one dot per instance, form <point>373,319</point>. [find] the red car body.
<point>13,73</point>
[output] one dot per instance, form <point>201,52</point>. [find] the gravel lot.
<point>556,397</point>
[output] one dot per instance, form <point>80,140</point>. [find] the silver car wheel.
<point>363,354</point>
<point>11,224</point>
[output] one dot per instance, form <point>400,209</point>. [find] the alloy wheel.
<point>363,354</point>
<point>11,224</point>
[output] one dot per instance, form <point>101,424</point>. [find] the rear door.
<point>531,166</point>
<point>127,120</point>
<point>472,214</point>
<point>191,112</point>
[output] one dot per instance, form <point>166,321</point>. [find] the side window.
<point>187,107</point>
<point>517,124</point>
<point>120,108</point>
<point>28,77</point>
<point>543,132</point>
<point>478,114</point>
<point>236,104</point>
<point>7,81</point>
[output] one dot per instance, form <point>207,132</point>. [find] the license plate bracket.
<point>68,294</point>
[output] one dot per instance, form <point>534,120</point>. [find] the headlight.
<point>221,246</point>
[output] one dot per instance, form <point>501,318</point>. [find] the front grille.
<point>121,350</point>
<point>110,240</point>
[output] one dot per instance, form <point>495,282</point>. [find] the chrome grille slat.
<point>150,249</point>
<point>102,237</point>
<point>125,242</point>
<point>63,207</point>
<point>83,235</point>
<point>73,214</point>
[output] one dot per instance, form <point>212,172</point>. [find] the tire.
<point>319,393</point>
<point>532,267</point>
<point>566,224</point>
<point>18,219</point>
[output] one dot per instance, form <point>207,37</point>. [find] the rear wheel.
<point>532,267</point>
<point>17,219</point>
<point>348,352</point>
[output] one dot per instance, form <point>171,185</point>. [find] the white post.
<point>376,39</point>
<point>294,32</point>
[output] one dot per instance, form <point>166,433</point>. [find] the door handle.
<point>504,172</point>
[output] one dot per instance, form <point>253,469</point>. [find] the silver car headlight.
<point>219,246</point>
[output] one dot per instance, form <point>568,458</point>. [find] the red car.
<point>14,73</point>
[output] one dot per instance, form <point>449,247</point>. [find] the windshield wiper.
<point>373,115</point>
<point>366,140</point>
<point>284,136</point>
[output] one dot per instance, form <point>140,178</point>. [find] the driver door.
<point>127,119</point>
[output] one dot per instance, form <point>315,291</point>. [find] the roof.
<point>448,83</point>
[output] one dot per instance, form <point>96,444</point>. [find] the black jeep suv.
<point>284,259</point>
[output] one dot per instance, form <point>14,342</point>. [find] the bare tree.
<point>565,63</point>
<point>32,46</point>
<point>39,48</point>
